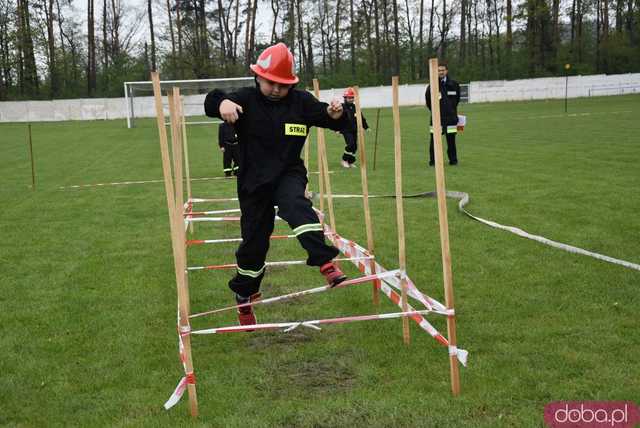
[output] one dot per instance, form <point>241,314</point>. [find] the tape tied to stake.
<point>459,353</point>
<point>191,378</point>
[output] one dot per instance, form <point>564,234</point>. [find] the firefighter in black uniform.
<point>449,99</point>
<point>350,133</point>
<point>228,142</point>
<point>272,121</point>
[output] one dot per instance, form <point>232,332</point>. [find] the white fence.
<point>371,97</point>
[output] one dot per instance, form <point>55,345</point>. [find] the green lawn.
<point>89,303</point>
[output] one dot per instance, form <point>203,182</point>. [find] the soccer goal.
<point>139,102</point>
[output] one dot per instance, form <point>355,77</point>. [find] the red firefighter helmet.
<point>276,63</point>
<point>349,93</point>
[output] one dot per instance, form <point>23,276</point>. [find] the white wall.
<point>379,96</point>
<point>554,87</point>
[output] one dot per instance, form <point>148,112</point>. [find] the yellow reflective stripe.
<point>251,273</point>
<point>346,152</point>
<point>312,227</point>
<point>450,129</point>
<point>227,169</point>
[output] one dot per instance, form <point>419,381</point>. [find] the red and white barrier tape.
<point>124,183</point>
<point>289,326</point>
<point>282,263</point>
<point>222,241</point>
<point>350,282</point>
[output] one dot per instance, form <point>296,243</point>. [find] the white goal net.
<point>139,96</point>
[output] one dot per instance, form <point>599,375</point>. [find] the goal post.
<point>138,96</point>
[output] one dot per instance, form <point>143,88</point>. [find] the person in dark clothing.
<point>449,99</point>
<point>228,142</point>
<point>272,121</point>
<point>350,133</point>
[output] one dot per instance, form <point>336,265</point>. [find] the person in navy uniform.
<point>272,121</point>
<point>350,133</point>
<point>228,142</point>
<point>449,98</point>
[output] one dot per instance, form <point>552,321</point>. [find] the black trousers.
<point>230,158</point>
<point>257,222</point>
<point>451,148</point>
<point>351,147</point>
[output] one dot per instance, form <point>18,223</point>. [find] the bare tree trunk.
<point>105,40</point>
<point>179,30</point>
<point>311,67</point>
<point>421,56</point>
<point>509,39</point>
<point>252,39</point>
<point>353,41</point>
<point>490,40</point>
<point>377,49</point>
<point>53,72</point>
<point>153,39</point>
<point>234,35</point>
<point>412,59</point>
<point>367,22</point>
<point>463,35</point>
<point>247,34</point>
<point>301,42</point>
<point>275,8</point>
<point>396,39</point>
<point>431,27</point>
<point>173,38</point>
<point>337,36</point>
<point>91,50</point>
<point>223,34</point>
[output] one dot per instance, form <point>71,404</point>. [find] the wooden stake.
<point>375,144</point>
<point>185,148</point>
<point>365,193</point>
<point>176,146</point>
<point>442,219</point>
<point>324,166</point>
<point>33,167</point>
<point>178,246</point>
<point>402,257</point>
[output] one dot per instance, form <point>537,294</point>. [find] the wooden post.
<point>185,148</point>
<point>324,166</point>
<point>176,147</point>
<point>175,220</point>
<point>402,257</point>
<point>375,144</point>
<point>447,274</point>
<point>365,194</point>
<point>33,167</point>
<point>320,174</point>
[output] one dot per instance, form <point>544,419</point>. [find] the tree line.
<point>49,49</point>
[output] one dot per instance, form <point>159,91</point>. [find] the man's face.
<point>273,90</point>
<point>348,100</point>
<point>442,71</point>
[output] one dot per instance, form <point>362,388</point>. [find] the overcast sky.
<point>138,8</point>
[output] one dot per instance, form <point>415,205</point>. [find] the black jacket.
<point>449,99</point>
<point>227,135</point>
<point>271,134</point>
<point>352,127</point>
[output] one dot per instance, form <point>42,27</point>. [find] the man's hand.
<point>229,111</point>
<point>334,109</point>
<point>222,149</point>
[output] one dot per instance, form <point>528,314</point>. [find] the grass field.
<point>88,294</point>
